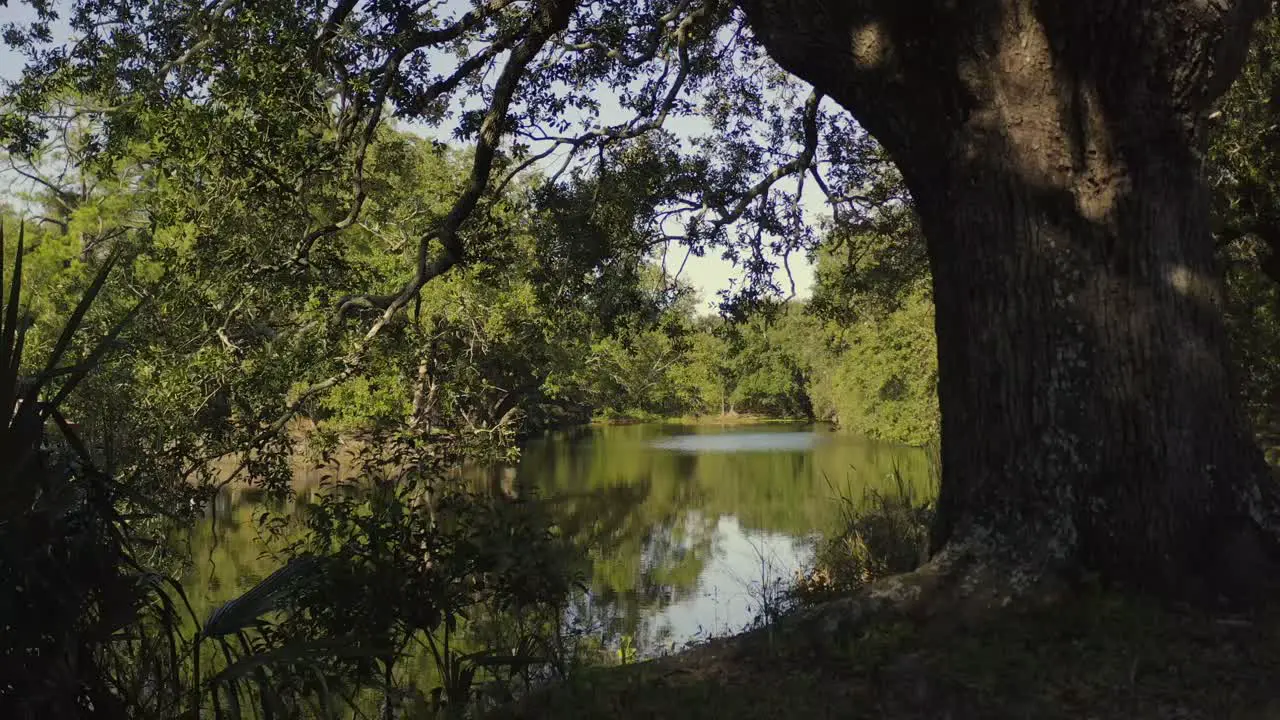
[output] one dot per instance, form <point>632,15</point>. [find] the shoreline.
<point>702,420</point>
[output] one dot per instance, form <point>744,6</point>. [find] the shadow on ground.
<point>1098,657</point>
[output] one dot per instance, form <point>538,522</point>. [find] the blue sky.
<point>708,274</point>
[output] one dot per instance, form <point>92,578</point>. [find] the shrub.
<point>405,557</point>
<point>84,628</point>
<point>884,534</point>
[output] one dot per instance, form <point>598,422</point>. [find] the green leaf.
<point>8,331</point>
<point>73,323</point>
<point>79,372</point>
<point>297,652</point>
<point>488,659</point>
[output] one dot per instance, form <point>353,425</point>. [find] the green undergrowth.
<point>883,533</point>
<point>1097,655</point>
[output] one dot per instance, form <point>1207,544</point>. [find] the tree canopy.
<point>258,162</point>
<point>411,233</point>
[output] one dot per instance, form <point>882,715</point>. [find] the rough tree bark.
<point>1054,153</point>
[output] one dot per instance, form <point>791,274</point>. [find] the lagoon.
<point>688,531</point>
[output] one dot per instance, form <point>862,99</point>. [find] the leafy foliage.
<point>305,257</point>
<point>72,586</point>
<point>1243,160</point>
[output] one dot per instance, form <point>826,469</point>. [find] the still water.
<point>686,528</point>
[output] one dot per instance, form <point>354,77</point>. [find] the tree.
<point>1053,153</point>
<point>768,377</point>
<point>710,367</point>
<point>874,367</point>
<point>1243,164</point>
<point>1054,156</point>
<point>636,372</point>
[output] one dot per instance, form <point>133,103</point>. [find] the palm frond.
<point>305,653</point>
<point>73,322</point>
<point>246,610</point>
<point>81,370</point>
<point>487,659</point>
<point>9,326</point>
<point>71,436</point>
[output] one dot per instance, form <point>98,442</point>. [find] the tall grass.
<point>880,533</point>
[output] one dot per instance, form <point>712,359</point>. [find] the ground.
<point>1097,655</point>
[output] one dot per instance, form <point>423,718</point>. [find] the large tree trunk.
<point>1088,412</point>
<point>1053,150</point>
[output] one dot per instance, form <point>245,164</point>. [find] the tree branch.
<point>389,71</point>
<point>552,18</point>
<point>330,27</point>
<point>800,164</point>
<point>635,127</point>
<point>649,49</point>
<point>423,38</point>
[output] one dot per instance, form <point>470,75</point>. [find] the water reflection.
<point>741,442</point>
<point>682,527</point>
<point>686,526</point>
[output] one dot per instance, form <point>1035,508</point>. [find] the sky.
<point>708,275</point>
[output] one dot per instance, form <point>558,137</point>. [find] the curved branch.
<point>330,27</point>
<point>633,128</point>
<point>464,69</point>
<point>423,38</point>
<point>553,18</point>
<point>59,193</point>
<point>800,164</point>
<point>389,71</point>
<point>649,49</point>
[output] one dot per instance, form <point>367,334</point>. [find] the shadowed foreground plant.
<point>72,598</point>
<point>415,563</point>
<point>85,629</point>
<point>405,558</point>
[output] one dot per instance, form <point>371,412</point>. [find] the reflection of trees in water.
<point>644,519</point>
<point>644,552</point>
<point>230,549</point>
<point>647,518</point>
<point>228,552</point>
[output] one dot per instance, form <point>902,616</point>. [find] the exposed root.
<point>963,583</point>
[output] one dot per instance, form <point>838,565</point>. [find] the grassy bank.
<point>1100,656</point>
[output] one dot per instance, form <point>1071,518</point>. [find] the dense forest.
<point>416,234</point>
<point>577,319</point>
